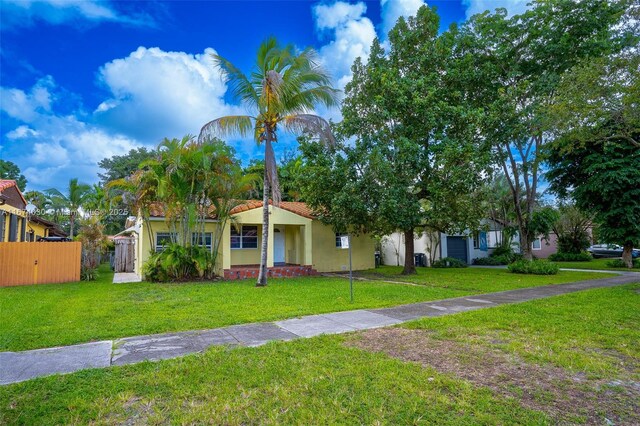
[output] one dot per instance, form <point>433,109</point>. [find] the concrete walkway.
<point>21,366</point>
<point>126,277</point>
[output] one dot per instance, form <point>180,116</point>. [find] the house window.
<point>162,240</point>
<point>244,238</point>
<point>476,240</point>
<point>202,240</point>
<point>536,244</point>
<point>339,240</point>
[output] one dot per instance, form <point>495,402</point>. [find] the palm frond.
<point>309,123</point>
<point>240,86</point>
<point>241,125</point>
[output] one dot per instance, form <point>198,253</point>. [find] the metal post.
<point>350,271</point>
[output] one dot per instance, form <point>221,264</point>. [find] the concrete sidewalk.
<point>21,366</point>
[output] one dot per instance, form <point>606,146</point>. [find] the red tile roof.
<point>296,207</point>
<point>9,183</point>
<point>301,209</point>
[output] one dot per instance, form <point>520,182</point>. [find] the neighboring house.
<point>299,244</point>
<point>16,224</point>
<point>466,246</point>
<point>13,212</point>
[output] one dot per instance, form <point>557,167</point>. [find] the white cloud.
<point>157,94</point>
<point>392,10</point>
<point>514,7</point>
<point>20,13</point>
<point>27,106</point>
<point>351,38</point>
<point>331,16</point>
<point>54,147</point>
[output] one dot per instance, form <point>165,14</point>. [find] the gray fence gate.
<point>125,254</point>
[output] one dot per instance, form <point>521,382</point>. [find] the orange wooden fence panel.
<point>39,263</point>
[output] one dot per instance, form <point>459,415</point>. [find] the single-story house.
<point>299,244</point>
<point>465,246</point>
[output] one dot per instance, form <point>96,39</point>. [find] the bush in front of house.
<point>88,274</point>
<point>449,262</point>
<point>571,257</point>
<point>503,259</point>
<point>179,263</point>
<point>533,267</point>
<point>619,263</point>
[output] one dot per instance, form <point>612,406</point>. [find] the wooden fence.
<point>39,263</point>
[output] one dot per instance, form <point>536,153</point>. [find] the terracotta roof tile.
<point>296,207</point>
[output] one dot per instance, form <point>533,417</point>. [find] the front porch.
<point>241,272</point>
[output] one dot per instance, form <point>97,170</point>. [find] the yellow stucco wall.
<point>21,217</point>
<point>39,230</point>
<point>321,252</point>
<point>329,258</point>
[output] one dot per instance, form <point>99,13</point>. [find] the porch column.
<point>308,244</point>
<point>225,247</point>
<point>270,241</point>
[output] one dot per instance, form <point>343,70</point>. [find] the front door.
<point>278,246</point>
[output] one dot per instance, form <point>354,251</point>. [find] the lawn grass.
<point>595,331</point>
<point>308,381</point>
<point>322,380</point>
<point>476,280</point>
<point>595,264</point>
<point>63,314</point>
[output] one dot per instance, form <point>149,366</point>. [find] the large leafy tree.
<point>281,91</point>
<point>75,197</point>
<point>603,177</point>
<point>416,153</point>
<point>511,67</point>
<point>10,170</point>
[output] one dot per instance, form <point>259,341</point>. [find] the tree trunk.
<point>72,217</point>
<point>525,245</point>
<point>627,257</point>
<point>409,265</point>
<point>262,276</point>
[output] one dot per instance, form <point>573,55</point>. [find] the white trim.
<point>539,248</point>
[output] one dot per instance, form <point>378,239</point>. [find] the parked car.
<point>610,250</point>
<point>54,239</point>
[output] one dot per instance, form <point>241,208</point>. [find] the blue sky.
<point>81,81</point>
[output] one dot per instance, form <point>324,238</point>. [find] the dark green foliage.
<point>535,267</point>
<point>603,177</point>
<point>179,263</point>
<point>572,229</point>
<point>88,274</point>
<point>449,262</point>
<point>491,261</point>
<point>9,170</point>
<point>571,257</point>
<point>123,166</point>
<point>619,263</point>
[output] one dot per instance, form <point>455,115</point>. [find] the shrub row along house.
<point>298,243</point>
<point>16,224</point>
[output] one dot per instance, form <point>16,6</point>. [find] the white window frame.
<point>242,237</point>
<point>533,247</point>
<point>339,240</point>
<point>197,235</point>
<point>165,235</point>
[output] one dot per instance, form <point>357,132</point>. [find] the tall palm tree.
<point>281,92</point>
<point>77,194</point>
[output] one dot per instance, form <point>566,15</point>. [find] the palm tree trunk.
<point>71,221</point>
<point>262,276</point>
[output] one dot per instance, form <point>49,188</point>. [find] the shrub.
<point>449,262</point>
<point>88,274</point>
<point>571,257</point>
<point>491,261</point>
<point>534,267</point>
<point>178,263</point>
<point>618,263</point>
<point>502,250</point>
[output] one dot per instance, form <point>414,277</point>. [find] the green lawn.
<point>327,380</point>
<point>476,280</point>
<point>595,264</point>
<point>62,314</point>
<point>593,331</point>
